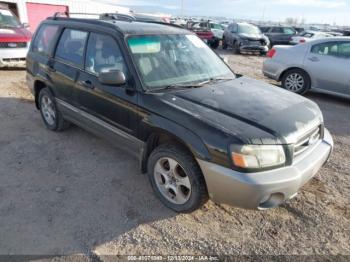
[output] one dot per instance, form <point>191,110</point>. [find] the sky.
<point>313,11</point>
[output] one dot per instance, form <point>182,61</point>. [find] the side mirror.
<point>112,77</point>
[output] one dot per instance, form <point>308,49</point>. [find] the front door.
<point>116,106</point>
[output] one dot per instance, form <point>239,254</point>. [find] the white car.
<point>307,36</point>
<point>217,29</point>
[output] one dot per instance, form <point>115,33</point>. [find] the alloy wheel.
<point>48,110</point>
<point>294,82</point>
<point>172,181</point>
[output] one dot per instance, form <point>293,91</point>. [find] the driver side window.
<point>103,54</point>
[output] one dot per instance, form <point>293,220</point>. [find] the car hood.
<point>251,36</point>
<point>14,35</point>
<point>252,104</point>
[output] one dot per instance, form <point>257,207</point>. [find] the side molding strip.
<point>100,122</point>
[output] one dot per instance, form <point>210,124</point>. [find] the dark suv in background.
<point>278,35</point>
<point>162,94</point>
<point>245,38</point>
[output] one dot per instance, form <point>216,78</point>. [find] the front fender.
<point>157,124</point>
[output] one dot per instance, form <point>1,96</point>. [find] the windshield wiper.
<point>212,80</point>
<point>177,86</point>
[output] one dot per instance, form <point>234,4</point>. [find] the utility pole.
<point>182,8</point>
<point>263,13</point>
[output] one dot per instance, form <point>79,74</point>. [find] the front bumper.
<point>267,189</point>
<point>13,57</point>
<point>253,48</point>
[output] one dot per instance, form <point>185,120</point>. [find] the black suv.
<point>161,93</point>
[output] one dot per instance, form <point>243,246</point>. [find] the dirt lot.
<point>72,193</point>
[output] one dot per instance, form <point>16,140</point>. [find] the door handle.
<point>87,84</point>
<point>314,59</point>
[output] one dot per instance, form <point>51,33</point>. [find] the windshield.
<point>7,19</point>
<point>216,26</point>
<point>168,60</point>
<point>248,29</point>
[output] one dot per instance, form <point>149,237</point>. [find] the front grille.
<point>13,45</point>
<point>307,141</point>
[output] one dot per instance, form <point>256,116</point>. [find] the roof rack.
<point>68,14</point>
<point>110,16</point>
<point>103,16</point>
<point>116,16</point>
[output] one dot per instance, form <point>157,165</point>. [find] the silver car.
<point>322,65</point>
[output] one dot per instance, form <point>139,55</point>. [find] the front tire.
<point>236,49</point>
<point>224,44</point>
<point>176,178</point>
<point>50,114</point>
<point>296,81</point>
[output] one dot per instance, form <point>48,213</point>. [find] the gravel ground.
<point>72,193</point>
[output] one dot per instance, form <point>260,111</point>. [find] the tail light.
<point>301,41</point>
<point>271,53</point>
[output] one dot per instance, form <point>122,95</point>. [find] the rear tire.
<point>215,44</point>
<point>50,114</point>
<point>296,81</point>
<point>176,178</point>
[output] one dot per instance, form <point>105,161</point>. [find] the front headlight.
<point>257,156</point>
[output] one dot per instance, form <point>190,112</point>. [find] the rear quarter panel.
<point>286,57</point>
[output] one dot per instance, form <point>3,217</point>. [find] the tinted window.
<point>264,29</point>
<point>71,46</point>
<point>43,40</point>
<point>344,50</point>
<point>103,54</point>
<point>277,30</point>
<point>330,48</point>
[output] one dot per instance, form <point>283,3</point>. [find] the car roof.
<point>126,27</point>
<point>329,39</point>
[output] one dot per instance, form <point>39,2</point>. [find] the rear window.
<point>71,46</point>
<point>44,38</point>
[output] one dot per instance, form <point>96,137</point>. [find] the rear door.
<point>41,50</point>
<point>115,105</point>
<point>329,66</point>
<point>68,62</point>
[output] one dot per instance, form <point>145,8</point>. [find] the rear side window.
<point>44,38</point>
<point>71,46</point>
<point>329,49</point>
<point>277,30</point>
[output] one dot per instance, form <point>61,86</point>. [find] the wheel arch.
<point>38,86</point>
<point>293,68</point>
<point>187,140</point>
